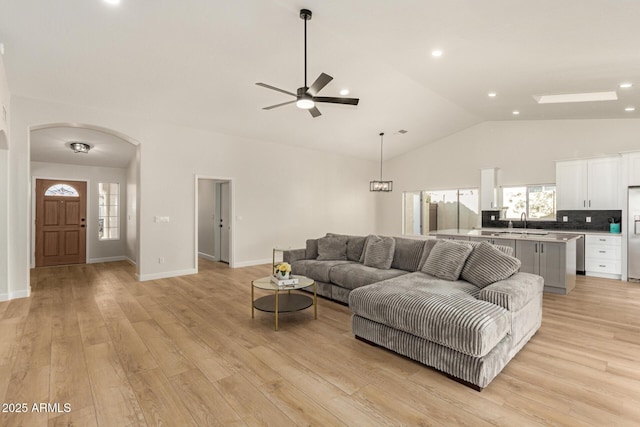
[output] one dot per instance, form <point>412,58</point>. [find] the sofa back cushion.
<point>407,254</point>
<point>447,259</point>
<point>355,246</point>
<point>311,251</point>
<point>332,248</point>
<point>487,264</point>
<point>378,252</point>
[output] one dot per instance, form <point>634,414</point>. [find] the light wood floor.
<point>185,351</point>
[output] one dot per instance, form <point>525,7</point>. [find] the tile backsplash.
<point>577,220</point>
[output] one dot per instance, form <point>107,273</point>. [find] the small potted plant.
<point>282,270</point>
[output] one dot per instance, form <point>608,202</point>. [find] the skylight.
<point>576,97</point>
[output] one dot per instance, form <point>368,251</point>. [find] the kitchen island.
<point>548,254</point>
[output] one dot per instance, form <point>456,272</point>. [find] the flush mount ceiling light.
<point>436,53</point>
<point>492,94</point>
<point>576,97</point>
<point>515,113</point>
<point>625,85</point>
<point>80,147</point>
<point>381,185</point>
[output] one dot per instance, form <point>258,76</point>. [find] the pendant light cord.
<point>381,136</point>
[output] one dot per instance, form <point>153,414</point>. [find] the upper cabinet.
<point>488,200</point>
<point>588,184</point>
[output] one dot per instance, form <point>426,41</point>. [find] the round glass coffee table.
<point>282,300</point>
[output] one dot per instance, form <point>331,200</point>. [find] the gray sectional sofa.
<point>459,307</point>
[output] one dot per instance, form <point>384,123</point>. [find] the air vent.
<point>402,131</point>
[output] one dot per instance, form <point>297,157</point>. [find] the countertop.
<point>513,234</point>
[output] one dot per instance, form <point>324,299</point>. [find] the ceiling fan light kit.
<point>306,98</point>
<point>381,186</point>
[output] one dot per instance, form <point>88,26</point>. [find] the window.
<point>61,190</point>
<point>108,211</point>
<point>426,211</point>
<point>537,201</point>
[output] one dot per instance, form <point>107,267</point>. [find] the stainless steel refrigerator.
<point>633,253</point>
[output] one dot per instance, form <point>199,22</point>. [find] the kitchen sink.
<point>525,232</point>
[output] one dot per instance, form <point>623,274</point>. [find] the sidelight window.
<point>108,211</point>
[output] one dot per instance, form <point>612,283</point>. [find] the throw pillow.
<point>379,252</point>
<point>487,265</point>
<point>355,246</point>
<point>407,254</point>
<point>446,259</point>
<point>332,248</point>
<point>311,252</point>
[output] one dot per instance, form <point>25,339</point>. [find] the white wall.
<point>132,210</point>
<point>524,152</point>
<point>313,193</point>
<point>4,185</point>
<point>97,250</point>
<point>206,218</point>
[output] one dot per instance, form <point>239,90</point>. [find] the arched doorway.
<point>110,170</point>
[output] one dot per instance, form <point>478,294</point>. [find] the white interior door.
<point>225,221</point>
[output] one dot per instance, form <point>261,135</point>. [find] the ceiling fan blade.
<point>315,112</point>
<point>279,105</point>
<point>276,89</point>
<point>329,99</point>
<point>320,82</point>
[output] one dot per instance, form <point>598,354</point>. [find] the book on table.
<point>283,283</point>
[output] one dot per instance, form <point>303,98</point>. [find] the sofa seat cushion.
<point>351,276</point>
<point>435,311</point>
<point>316,270</point>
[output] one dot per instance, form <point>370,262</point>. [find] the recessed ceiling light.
<point>492,94</point>
<point>515,112</point>
<point>630,109</point>
<point>576,97</point>
<point>625,85</point>
<point>436,53</point>
<point>114,2</point>
<point>344,92</point>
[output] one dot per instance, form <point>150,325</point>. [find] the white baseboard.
<point>252,263</point>
<point>130,261</point>
<point>165,274</point>
<point>107,259</point>
<point>15,295</point>
<point>207,256</point>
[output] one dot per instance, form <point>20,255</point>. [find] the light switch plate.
<point>588,219</point>
<point>565,219</point>
<point>493,217</point>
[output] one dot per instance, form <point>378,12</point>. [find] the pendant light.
<point>381,185</point>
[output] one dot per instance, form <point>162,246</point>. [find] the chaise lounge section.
<point>459,307</point>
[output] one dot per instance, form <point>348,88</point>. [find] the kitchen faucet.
<point>523,218</point>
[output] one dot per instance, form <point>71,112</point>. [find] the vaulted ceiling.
<point>196,63</point>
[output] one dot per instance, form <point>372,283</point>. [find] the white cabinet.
<point>603,256</point>
<point>588,184</point>
<point>488,199</point>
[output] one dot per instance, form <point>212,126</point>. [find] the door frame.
<point>232,209</point>
<point>32,251</point>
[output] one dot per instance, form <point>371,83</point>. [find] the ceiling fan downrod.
<point>305,14</point>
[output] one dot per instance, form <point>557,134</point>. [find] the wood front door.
<point>61,213</point>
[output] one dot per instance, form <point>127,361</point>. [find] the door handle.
<point>589,203</point>
<point>541,248</point>
<point>82,226</point>
<point>536,250</point>
<point>584,203</point>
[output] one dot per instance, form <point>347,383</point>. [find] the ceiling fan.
<point>306,96</point>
